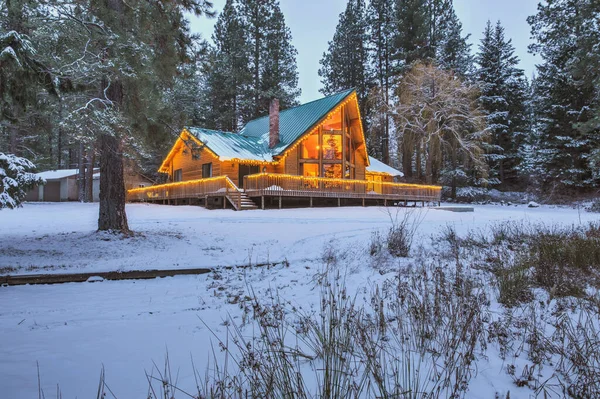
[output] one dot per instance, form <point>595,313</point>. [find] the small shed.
<point>61,185</point>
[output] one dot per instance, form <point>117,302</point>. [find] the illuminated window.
<point>332,171</point>
<point>310,147</point>
<point>332,146</point>
<point>334,122</point>
<point>178,175</point>
<point>310,169</point>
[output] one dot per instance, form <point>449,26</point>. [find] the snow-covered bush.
<point>470,194</point>
<point>15,180</point>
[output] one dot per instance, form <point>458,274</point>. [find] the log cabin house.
<point>314,153</point>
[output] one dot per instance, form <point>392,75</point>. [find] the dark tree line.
<point>251,62</point>
<point>542,132</point>
<point>85,79</point>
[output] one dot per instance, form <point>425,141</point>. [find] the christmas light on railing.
<point>338,180</point>
<point>178,184</point>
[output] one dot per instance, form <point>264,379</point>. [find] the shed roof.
<point>379,167</point>
<point>57,174</point>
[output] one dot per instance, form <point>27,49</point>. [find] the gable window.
<point>207,170</point>
<point>178,175</point>
<point>332,145</point>
<point>310,147</point>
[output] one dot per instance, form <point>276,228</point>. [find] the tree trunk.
<point>89,176</point>
<point>112,186</point>
<point>60,135</point>
<point>81,175</point>
<point>407,151</point>
<point>418,160</point>
<point>12,131</point>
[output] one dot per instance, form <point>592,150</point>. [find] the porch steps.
<point>238,197</point>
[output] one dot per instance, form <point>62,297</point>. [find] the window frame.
<point>210,170</point>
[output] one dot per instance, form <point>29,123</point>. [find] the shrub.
<point>401,234</point>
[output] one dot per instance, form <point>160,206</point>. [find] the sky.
<point>313,24</point>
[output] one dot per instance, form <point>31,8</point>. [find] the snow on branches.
<point>15,180</point>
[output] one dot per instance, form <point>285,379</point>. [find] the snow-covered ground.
<point>71,330</point>
<point>60,237</point>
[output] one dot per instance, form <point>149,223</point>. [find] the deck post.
<point>225,202</point>
<point>405,203</point>
<point>206,201</point>
<point>262,202</point>
<point>339,202</point>
<point>280,202</point>
<point>311,202</point>
<point>363,201</point>
<point>423,204</point>
<point>385,202</point>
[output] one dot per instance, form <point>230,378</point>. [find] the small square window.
<point>178,175</point>
<point>207,170</point>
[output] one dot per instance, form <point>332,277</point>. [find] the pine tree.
<point>344,65</point>
<point>132,56</point>
<point>279,70</point>
<point>381,28</point>
<point>228,76</point>
<point>453,52</point>
<point>272,58</point>
<point>566,32</point>
<point>503,94</point>
<point>412,40</point>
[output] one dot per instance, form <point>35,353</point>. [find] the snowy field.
<point>60,237</point>
<point>72,330</point>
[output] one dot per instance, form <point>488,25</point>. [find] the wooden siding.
<point>231,170</point>
<point>360,167</point>
<point>291,162</point>
<point>192,168</point>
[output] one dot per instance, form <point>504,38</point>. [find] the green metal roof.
<point>252,142</point>
<point>294,122</point>
<point>232,145</point>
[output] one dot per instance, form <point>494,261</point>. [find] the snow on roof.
<point>232,145</point>
<point>379,167</point>
<point>57,174</point>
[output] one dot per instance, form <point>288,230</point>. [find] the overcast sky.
<point>313,23</point>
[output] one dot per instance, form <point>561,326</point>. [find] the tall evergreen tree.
<point>381,31</point>
<point>503,96</point>
<point>133,53</point>
<point>272,57</point>
<point>228,77</point>
<point>279,70</point>
<point>412,40</point>
<point>566,31</point>
<point>345,64</point>
<point>453,52</point>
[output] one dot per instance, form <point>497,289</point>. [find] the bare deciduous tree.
<point>440,127</point>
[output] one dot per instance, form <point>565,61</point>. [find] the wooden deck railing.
<point>187,189</point>
<point>288,185</point>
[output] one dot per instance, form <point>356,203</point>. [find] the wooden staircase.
<point>240,201</point>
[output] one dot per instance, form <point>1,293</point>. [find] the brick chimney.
<point>274,123</point>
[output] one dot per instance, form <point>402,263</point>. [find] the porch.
<point>260,189</point>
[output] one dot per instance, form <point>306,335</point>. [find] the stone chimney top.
<point>274,123</point>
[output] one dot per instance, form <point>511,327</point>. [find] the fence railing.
<point>187,189</point>
<point>289,185</point>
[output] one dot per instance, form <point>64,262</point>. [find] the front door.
<point>246,170</point>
